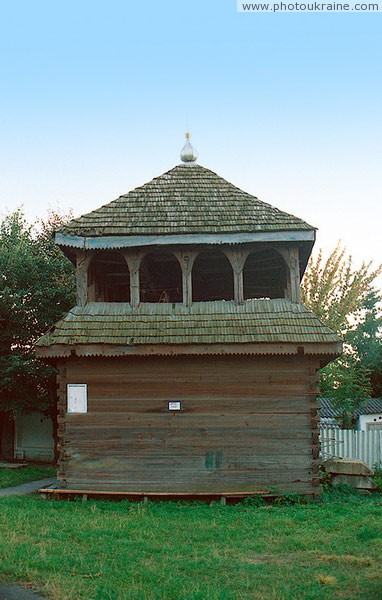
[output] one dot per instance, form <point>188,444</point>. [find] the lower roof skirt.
<point>328,350</point>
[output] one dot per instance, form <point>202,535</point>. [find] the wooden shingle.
<point>188,199</point>
<point>223,322</point>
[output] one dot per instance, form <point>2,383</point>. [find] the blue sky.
<point>95,98</point>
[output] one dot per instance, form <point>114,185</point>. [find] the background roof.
<point>368,407</point>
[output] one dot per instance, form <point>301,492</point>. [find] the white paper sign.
<point>174,405</point>
<point>77,398</point>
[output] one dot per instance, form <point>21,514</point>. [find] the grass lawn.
<point>11,477</point>
<point>121,550</point>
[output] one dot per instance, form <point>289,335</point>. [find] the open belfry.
<point>189,365</point>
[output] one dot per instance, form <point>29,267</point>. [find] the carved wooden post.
<point>134,259</point>
<point>291,258</point>
<point>237,257</point>
<point>186,260</point>
<point>295,292</point>
<point>83,259</point>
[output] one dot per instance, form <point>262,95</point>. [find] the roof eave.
<point>326,351</point>
<point>115,242</point>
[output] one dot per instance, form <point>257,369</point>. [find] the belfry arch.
<point>212,277</point>
<point>108,277</point>
<point>265,275</point>
<point>160,278</point>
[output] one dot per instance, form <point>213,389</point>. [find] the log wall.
<point>246,424</point>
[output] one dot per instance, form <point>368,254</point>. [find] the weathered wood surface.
<point>326,352</point>
<point>246,424</point>
<point>103,399</point>
<point>60,492</point>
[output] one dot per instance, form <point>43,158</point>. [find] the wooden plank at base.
<point>88,493</point>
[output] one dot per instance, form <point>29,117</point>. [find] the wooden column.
<point>237,257</point>
<point>186,260</point>
<point>83,259</point>
<point>294,275</point>
<point>291,257</point>
<point>134,259</point>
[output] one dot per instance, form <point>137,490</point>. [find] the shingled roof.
<point>328,409</point>
<point>254,322</point>
<point>188,199</point>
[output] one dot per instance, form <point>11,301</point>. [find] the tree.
<point>346,381</point>
<point>337,292</point>
<point>366,338</point>
<point>36,289</point>
<point>344,298</point>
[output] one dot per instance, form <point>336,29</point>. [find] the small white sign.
<point>77,398</point>
<point>174,405</point>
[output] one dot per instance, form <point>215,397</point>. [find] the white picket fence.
<point>347,443</point>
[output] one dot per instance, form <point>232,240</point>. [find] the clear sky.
<point>95,98</point>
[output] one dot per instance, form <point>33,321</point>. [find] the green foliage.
<point>36,288</point>
<point>377,477</point>
<point>346,381</point>
<point>344,299</point>
<point>343,493</point>
<point>335,291</point>
<point>289,499</point>
<point>134,551</point>
<point>253,501</point>
<point>366,338</point>
<point>325,479</point>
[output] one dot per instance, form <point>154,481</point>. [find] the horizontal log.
<point>124,450</point>
<point>189,391</point>
<point>228,373</point>
<point>172,495</point>
<point>181,420</point>
<point>203,404</point>
<point>184,476</point>
<point>305,488</point>
<point>157,362</point>
<point>222,409</point>
<point>225,438</point>
<point>172,469</point>
<point>277,485</point>
<point>148,387</point>
<point>140,440</point>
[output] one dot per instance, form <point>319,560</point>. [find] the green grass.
<point>120,550</point>
<point>377,478</point>
<point>11,477</point>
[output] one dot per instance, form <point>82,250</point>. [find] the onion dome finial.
<point>188,153</point>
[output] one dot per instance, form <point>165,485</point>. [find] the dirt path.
<point>27,488</point>
<point>16,592</point>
